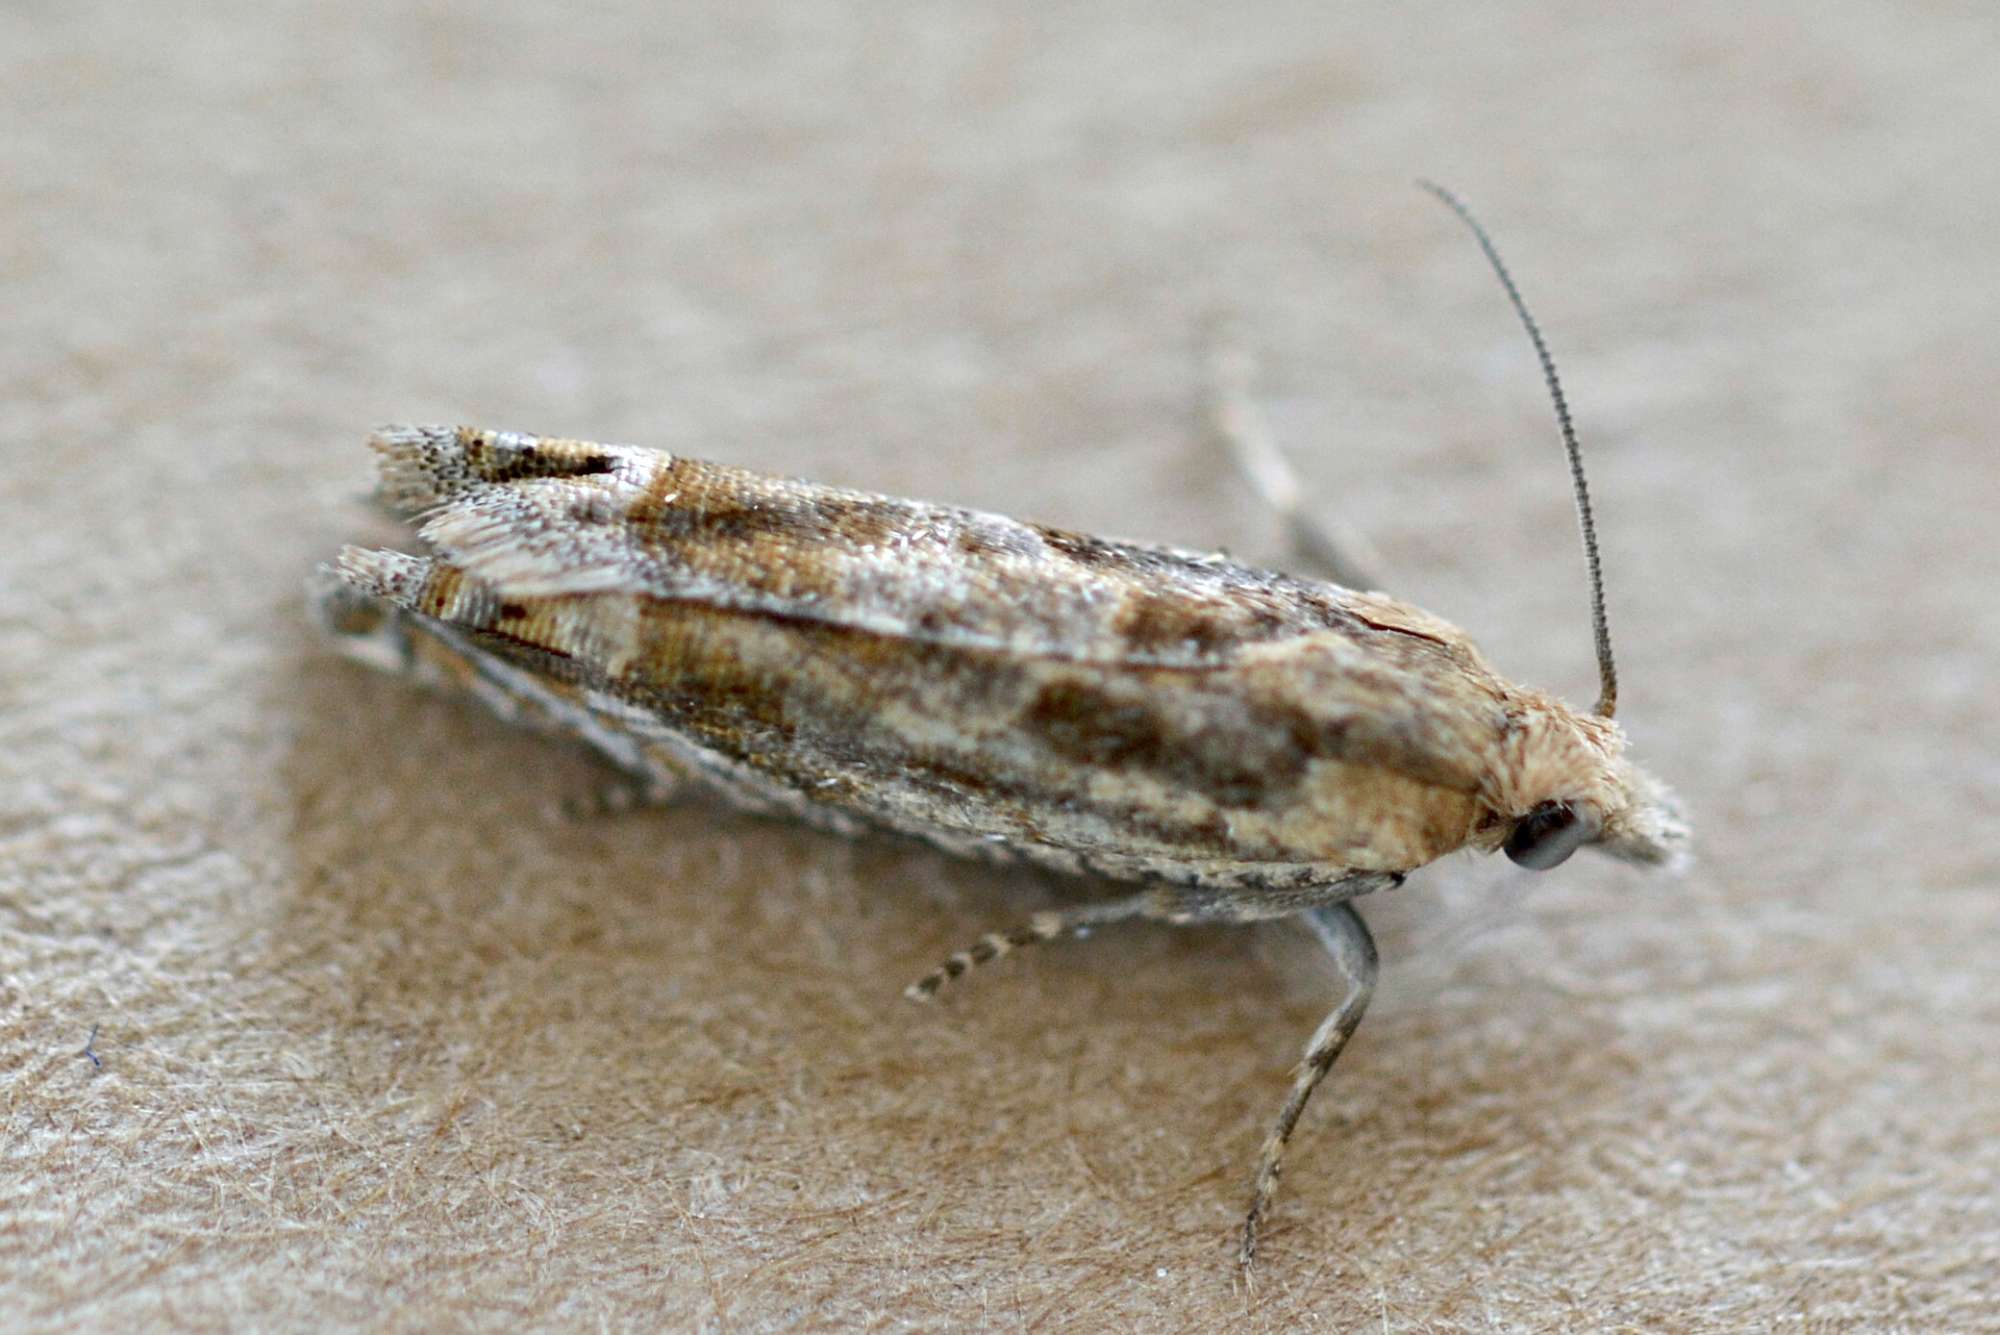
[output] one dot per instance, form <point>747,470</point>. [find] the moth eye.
<point>1546,836</point>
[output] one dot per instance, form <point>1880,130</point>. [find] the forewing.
<point>546,518</point>
<point>574,554</point>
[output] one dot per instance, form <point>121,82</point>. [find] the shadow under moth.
<point>1239,744</point>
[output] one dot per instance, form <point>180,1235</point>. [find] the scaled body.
<point>993,687</point>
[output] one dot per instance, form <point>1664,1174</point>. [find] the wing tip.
<point>418,467</point>
<point>381,573</point>
<point>423,467</point>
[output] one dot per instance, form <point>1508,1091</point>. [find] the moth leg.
<point>1345,936</point>
<point>1042,927</point>
<point>1336,549</point>
<point>618,797</point>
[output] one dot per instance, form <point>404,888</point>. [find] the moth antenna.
<point>1607,670</point>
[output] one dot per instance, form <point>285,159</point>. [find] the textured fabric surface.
<point>382,1040</point>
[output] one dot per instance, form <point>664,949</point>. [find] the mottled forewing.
<point>930,668</point>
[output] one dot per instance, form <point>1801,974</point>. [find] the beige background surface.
<point>386,1043</point>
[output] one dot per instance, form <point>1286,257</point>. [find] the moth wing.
<point>562,544</point>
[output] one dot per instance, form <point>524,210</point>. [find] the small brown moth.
<point>1244,744</point>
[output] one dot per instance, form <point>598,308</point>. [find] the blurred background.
<point>380,1041</point>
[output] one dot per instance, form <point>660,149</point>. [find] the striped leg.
<point>1345,936</point>
<point>1042,927</point>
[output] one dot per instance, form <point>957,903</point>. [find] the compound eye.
<point>1546,836</point>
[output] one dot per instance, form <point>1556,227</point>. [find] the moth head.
<point>1647,830</point>
<point>1567,785</point>
<point>1566,782</point>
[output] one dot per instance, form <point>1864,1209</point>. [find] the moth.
<point>1239,743</point>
